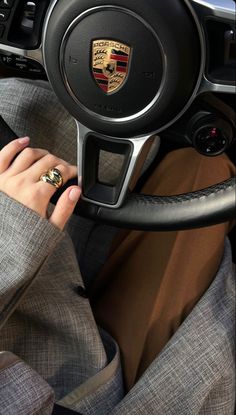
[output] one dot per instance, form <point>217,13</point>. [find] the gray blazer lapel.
<point>196,363</point>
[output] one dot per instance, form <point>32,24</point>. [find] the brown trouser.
<point>152,281</point>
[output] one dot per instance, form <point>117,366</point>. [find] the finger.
<point>26,158</point>
<point>65,207</point>
<point>9,152</point>
<point>43,165</point>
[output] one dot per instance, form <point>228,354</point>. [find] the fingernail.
<point>74,195</point>
<point>24,140</point>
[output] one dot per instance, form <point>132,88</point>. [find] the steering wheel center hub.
<point>107,69</point>
<point>124,68</point>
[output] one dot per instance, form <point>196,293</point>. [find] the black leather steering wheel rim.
<point>146,212</point>
<point>210,206</point>
<point>206,207</point>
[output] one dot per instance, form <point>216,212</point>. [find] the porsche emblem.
<point>110,64</point>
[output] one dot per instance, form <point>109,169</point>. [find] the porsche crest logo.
<point>110,64</point>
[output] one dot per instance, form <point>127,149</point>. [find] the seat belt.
<point>61,410</point>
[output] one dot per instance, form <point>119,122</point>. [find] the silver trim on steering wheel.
<point>137,146</point>
<point>219,9</point>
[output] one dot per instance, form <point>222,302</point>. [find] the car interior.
<point>129,71</point>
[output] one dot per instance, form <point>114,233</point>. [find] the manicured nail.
<point>74,195</point>
<point>24,140</point>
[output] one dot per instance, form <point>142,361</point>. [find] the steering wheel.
<point>126,70</point>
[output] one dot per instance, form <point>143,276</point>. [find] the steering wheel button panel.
<point>22,63</point>
<point>4,14</point>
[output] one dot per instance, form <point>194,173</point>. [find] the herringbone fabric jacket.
<point>47,324</point>
<point>51,346</point>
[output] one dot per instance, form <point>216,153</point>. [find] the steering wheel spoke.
<point>109,166</point>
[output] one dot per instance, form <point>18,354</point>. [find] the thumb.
<point>65,206</point>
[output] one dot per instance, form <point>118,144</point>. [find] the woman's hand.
<point>20,171</point>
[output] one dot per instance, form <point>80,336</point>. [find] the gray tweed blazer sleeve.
<point>26,240</point>
<point>49,339</point>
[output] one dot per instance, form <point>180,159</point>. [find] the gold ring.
<point>54,177</point>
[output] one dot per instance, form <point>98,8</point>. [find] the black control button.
<point>6,4</point>
<point>210,141</point>
<point>2,28</point>
<point>4,14</point>
<point>212,135</point>
<point>7,60</point>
